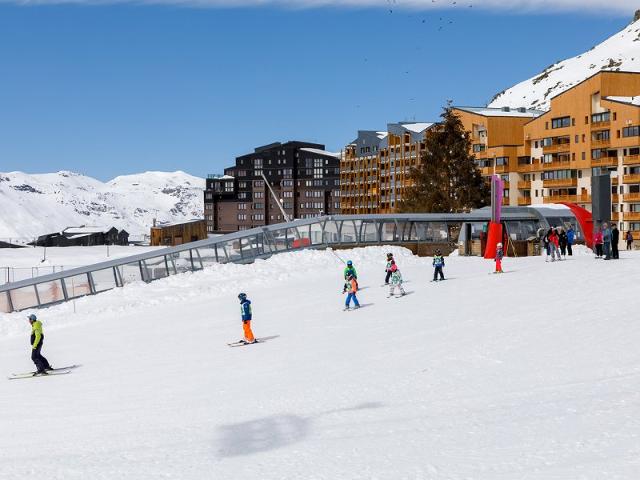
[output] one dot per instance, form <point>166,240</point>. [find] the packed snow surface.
<point>533,374</point>
<point>38,204</point>
<point>620,52</point>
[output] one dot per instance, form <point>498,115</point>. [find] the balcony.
<point>605,162</point>
<point>524,184</point>
<point>501,168</point>
<point>561,198</point>
<point>560,182</point>
<point>631,216</point>
<point>524,201</point>
<point>557,147</point>
<point>631,160</point>
<point>583,198</point>
<point>600,142</point>
<point>603,124</point>
<point>557,165</point>
<point>631,197</point>
<point>615,216</point>
<point>633,178</point>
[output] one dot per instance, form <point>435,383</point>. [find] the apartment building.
<point>592,128</point>
<point>497,137</point>
<point>304,178</point>
<point>375,168</point>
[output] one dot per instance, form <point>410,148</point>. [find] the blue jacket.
<point>245,310</point>
<point>606,235</point>
<point>571,235</point>
<point>438,261</point>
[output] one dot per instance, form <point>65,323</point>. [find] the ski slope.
<point>534,374</point>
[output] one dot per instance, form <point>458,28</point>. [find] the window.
<point>242,173</point>
<point>286,183</point>
<point>228,187</point>
<point>258,194</point>
<point>258,206</point>
<point>501,161</point>
<point>242,185</point>
<point>561,122</point>
<point>600,117</point>
<point>317,172</point>
<point>479,147</point>
<point>242,216</point>
<point>242,206</point>
<point>257,216</point>
<point>242,195</point>
<point>600,135</point>
<point>631,131</point>
<point>258,184</point>
<point>287,194</point>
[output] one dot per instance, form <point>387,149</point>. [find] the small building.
<point>178,233</point>
<point>84,237</point>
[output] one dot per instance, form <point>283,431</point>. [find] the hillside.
<point>45,203</point>
<point>621,52</point>
<point>532,374</point>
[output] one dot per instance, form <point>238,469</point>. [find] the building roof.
<point>417,127</point>
<point>85,230</point>
<point>163,225</point>
<point>629,100</point>
<point>502,112</point>
<point>317,151</point>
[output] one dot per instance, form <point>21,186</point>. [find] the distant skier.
<point>498,259</point>
<point>350,270</point>
<point>563,241</point>
<point>390,263</point>
<point>571,238</point>
<point>597,241</point>
<point>438,265</point>
<point>396,281</point>
<point>246,314</point>
<point>351,288</point>
<point>629,238</point>
<point>37,339</point>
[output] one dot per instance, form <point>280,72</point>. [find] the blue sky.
<point>108,89</point>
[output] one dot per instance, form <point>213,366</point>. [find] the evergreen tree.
<point>448,179</point>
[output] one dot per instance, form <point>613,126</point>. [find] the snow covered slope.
<point>532,374</point>
<point>621,52</point>
<point>37,204</point>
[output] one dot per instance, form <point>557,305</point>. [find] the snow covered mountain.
<point>621,52</point>
<point>36,204</point>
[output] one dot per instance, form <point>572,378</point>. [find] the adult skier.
<point>615,239</point>
<point>571,237</point>
<point>390,263</point>
<point>396,281</point>
<point>37,340</point>
<point>246,314</point>
<point>351,288</point>
<point>438,265</point>
<point>350,270</point>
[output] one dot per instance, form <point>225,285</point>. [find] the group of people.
<point>605,241</point>
<point>557,242</point>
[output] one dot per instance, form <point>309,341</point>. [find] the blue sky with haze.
<point>109,89</point>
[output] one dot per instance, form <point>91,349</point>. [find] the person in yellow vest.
<point>37,339</point>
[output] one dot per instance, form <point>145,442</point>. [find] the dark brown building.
<point>178,233</point>
<point>304,177</point>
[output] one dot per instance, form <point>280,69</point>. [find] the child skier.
<point>438,264</point>
<point>499,255</point>
<point>37,339</point>
<point>351,288</point>
<point>245,312</point>
<point>390,263</point>
<point>396,281</point>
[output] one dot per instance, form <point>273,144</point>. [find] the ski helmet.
<point>349,263</point>
<point>389,255</point>
<point>242,297</point>
<point>438,252</point>
<point>32,318</point>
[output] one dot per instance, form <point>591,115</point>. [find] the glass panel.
<point>4,302</point>
<point>104,279</point>
<point>197,263</point>
<point>454,231</point>
<point>232,248</point>
<point>419,231</point>
<point>331,232</point>
<point>348,232</point>
<point>258,244</point>
<point>50,292</point>
<point>358,224</point>
<point>369,232</point>
<point>24,297</point>
<point>315,233</point>
<point>404,231</point>
<point>388,233</point>
<point>437,232</point>
<point>248,247</point>
<point>130,273</point>
<point>280,239</point>
<point>298,237</point>
<point>182,261</point>
<point>156,268</point>
<point>208,255</point>
<point>269,244</point>
<point>77,286</point>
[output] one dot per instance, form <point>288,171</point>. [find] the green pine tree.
<point>448,180</point>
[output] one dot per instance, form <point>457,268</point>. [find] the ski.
<point>18,376</point>
<point>242,343</point>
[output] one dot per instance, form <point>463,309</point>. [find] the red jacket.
<point>553,238</point>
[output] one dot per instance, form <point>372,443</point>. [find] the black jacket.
<point>615,236</point>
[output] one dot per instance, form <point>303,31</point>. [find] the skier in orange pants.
<point>245,312</point>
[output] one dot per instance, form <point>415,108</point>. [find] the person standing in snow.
<point>571,237</point>
<point>606,240</point>
<point>552,236</point>
<point>351,288</point>
<point>545,244</point>
<point>597,241</point>
<point>396,281</point>
<point>498,259</point>
<point>350,270</point>
<point>390,263</point>
<point>615,238</point>
<point>438,265</point>
<point>629,240</point>
<point>37,340</point>
<point>562,241</point>
<point>246,314</point>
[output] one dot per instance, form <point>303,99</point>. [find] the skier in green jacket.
<point>37,339</point>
